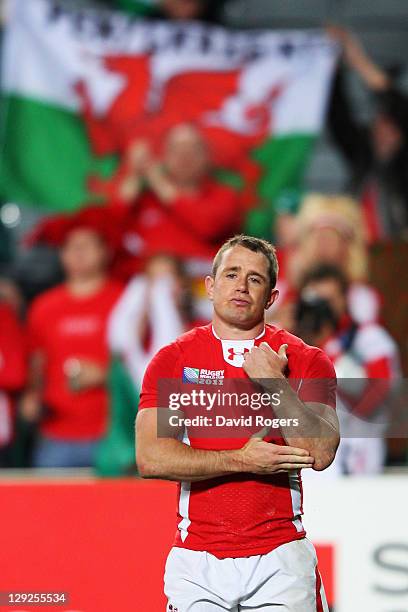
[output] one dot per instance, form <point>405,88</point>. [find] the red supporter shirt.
<point>238,515</point>
<point>12,367</point>
<point>190,227</point>
<point>64,327</point>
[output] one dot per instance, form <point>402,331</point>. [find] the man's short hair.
<point>257,245</point>
<point>325,272</point>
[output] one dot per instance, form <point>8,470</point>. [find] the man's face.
<point>186,155</point>
<point>327,245</point>
<point>241,288</point>
<point>84,254</point>
<point>330,290</point>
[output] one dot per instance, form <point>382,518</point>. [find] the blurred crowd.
<point>73,357</point>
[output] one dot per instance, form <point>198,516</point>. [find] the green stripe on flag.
<point>284,160</point>
<point>46,156</point>
<point>46,159</point>
<point>136,7</point>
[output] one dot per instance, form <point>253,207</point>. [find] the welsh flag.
<point>81,85</point>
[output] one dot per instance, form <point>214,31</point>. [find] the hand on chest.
<point>240,359</point>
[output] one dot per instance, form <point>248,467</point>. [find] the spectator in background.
<point>67,342</point>
<point>329,230</point>
<point>358,351</point>
<point>173,205</point>
<point>154,310</point>
<point>377,154</point>
<point>12,375</point>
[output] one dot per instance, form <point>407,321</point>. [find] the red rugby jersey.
<point>241,514</point>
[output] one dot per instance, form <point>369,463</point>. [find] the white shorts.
<point>285,580</point>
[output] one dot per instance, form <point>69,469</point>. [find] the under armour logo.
<point>233,353</point>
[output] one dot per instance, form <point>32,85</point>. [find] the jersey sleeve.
<point>159,374</point>
<point>319,380</point>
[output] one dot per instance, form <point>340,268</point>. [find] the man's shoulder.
<point>282,336</point>
<point>9,319</point>
<point>6,310</point>
<point>114,287</point>
<point>50,299</point>
<point>189,340</point>
<point>301,355</point>
<point>111,292</point>
<point>168,359</point>
<point>200,333</point>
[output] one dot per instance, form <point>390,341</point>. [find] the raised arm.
<point>170,459</point>
<point>355,56</point>
<point>351,136</point>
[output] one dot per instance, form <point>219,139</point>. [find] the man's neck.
<point>228,331</point>
<point>85,286</point>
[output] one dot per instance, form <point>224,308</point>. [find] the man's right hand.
<point>260,457</point>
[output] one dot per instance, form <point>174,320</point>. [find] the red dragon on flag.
<point>145,111</point>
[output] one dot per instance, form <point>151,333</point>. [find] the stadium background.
<point>104,540</point>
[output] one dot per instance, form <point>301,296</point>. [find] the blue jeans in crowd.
<point>51,452</point>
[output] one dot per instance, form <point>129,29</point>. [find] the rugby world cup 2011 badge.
<point>197,376</point>
<point>191,375</point>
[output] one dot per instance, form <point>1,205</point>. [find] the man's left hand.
<point>263,362</point>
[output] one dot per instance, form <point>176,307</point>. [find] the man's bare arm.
<point>170,459</point>
<point>317,430</point>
